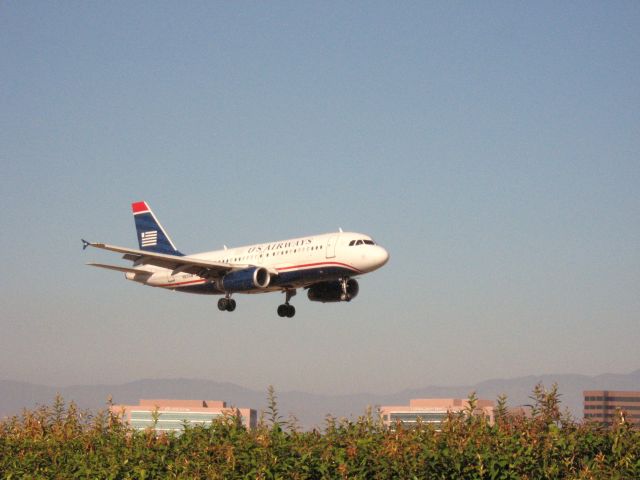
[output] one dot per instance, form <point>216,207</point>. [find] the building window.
<point>413,417</point>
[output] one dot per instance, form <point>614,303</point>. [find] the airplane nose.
<point>384,256</point>
<point>380,256</point>
<point>372,257</point>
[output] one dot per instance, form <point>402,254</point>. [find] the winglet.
<point>85,244</point>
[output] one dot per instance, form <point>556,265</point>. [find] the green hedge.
<point>59,441</point>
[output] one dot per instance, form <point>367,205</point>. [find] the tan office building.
<point>431,410</point>
<point>603,406</point>
<point>171,415</point>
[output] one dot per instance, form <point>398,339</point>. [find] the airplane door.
<point>331,246</point>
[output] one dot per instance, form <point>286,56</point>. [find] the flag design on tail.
<point>149,239</point>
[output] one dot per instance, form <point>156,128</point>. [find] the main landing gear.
<point>226,303</point>
<point>287,310</point>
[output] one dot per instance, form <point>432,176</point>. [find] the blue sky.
<point>492,148</point>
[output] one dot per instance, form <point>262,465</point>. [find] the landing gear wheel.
<point>286,310</point>
<point>228,304</point>
<point>223,304</point>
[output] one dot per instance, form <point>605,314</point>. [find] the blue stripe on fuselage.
<point>291,279</point>
<point>308,276</point>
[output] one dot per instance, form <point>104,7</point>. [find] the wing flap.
<point>137,271</point>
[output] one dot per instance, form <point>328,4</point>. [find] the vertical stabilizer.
<point>151,235</point>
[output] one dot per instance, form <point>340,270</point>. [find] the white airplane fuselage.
<point>292,263</point>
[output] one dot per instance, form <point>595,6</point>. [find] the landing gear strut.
<point>345,297</point>
<point>226,303</point>
<point>287,310</point>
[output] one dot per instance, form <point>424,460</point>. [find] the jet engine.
<point>244,280</point>
<point>332,291</point>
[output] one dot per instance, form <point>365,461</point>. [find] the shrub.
<point>59,441</point>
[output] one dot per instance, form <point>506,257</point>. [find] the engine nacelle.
<point>332,292</point>
<point>244,280</point>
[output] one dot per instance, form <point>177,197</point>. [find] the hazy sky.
<point>492,148</point>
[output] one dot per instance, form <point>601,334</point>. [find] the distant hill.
<point>309,409</point>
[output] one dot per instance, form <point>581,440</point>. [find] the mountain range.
<point>309,409</point>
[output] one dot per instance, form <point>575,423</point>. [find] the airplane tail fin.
<point>151,236</point>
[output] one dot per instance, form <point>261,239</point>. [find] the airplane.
<point>325,265</point>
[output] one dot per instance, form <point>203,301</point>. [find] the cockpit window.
<point>361,242</point>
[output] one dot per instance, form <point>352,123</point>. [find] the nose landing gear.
<point>287,310</point>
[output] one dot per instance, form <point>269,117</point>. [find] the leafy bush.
<point>59,441</point>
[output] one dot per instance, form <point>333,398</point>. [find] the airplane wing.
<point>184,263</point>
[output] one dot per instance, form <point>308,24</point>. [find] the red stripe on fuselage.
<point>306,265</point>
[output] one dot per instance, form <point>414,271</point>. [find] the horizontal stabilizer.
<point>170,261</point>
<point>137,271</point>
